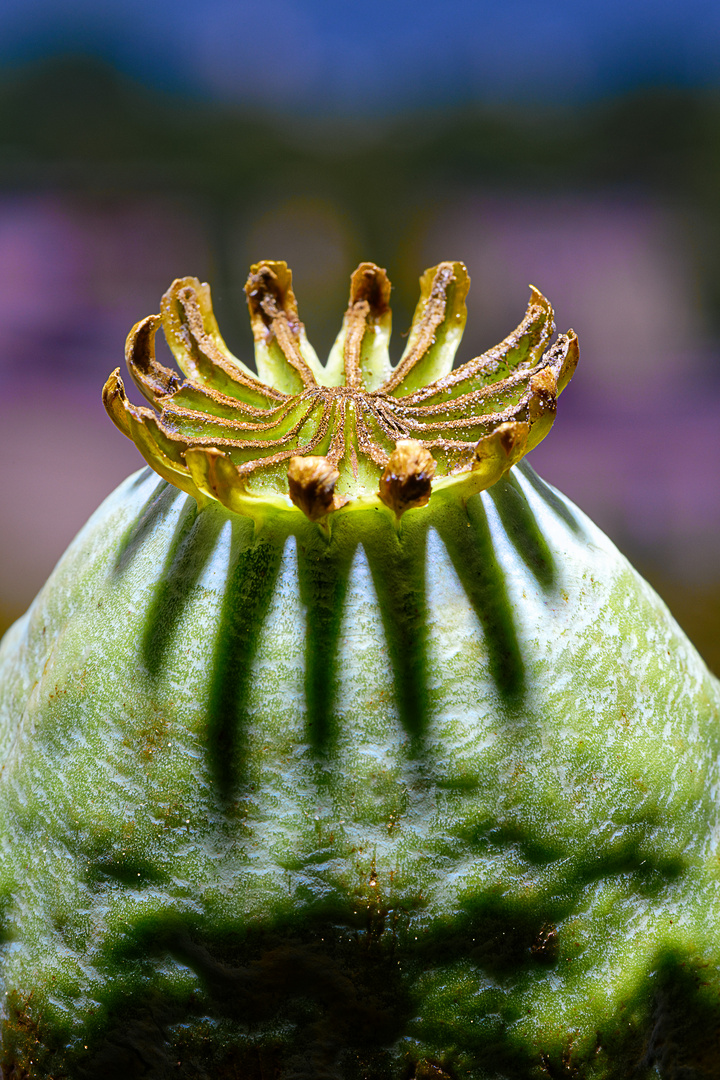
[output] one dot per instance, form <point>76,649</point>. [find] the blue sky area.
<point>326,56</point>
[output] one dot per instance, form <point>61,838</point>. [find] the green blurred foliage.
<point>78,124</point>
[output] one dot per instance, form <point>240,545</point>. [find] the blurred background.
<point>570,145</point>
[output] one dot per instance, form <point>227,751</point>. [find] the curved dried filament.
<point>522,348</point>
<point>152,379</point>
<point>278,332</point>
<point>191,397</point>
<point>367,324</point>
<point>196,425</point>
<point>188,325</point>
<point>436,330</point>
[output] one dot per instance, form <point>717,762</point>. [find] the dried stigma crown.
<point>354,432</point>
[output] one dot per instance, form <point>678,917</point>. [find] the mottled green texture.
<point>273,805</point>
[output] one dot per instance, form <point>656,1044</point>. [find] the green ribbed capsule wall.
<point>438,802</point>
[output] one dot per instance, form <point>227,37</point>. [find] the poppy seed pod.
<point>345,747</point>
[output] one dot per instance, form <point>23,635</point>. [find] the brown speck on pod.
<point>407,479</point>
<point>428,1070</point>
<point>312,483</point>
<point>545,946</point>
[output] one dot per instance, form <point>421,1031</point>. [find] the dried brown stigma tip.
<point>407,479</point>
<point>152,379</point>
<point>276,327</point>
<point>544,389</point>
<point>269,292</point>
<point>114,400</point>
<point>370,283</point>
<point>495,453</point>
<point>311,482</point>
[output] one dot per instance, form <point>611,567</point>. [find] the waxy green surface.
<point>440,801</point>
